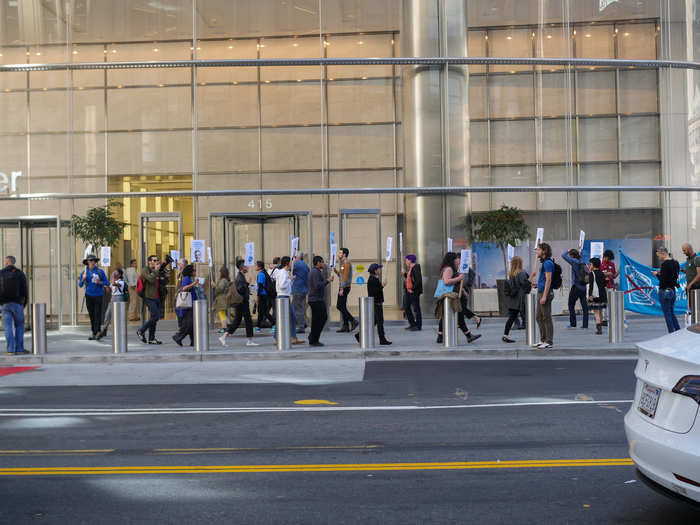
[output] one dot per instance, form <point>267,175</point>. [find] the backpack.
<point>139,287</point>
<point>270,286</point>
<point>556,276</point>
<point>233,296</point>
<point>10,285</point>
<point>582,276</point>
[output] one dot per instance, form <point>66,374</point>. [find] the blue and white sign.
<point>641,288</point>
<point>249,253</point>
<point>464,261</point>
<point>389,248</point>
<point>449,244</point>
<point>105,256</point>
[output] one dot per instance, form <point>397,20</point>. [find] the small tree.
<point>503,227</point>
<point>99,227</point>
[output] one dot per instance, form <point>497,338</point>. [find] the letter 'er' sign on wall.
<point>9,183</point>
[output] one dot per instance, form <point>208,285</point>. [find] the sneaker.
<point>471,338</point>
<point>296,341</point>
<point>415,329</point>
<point>409,327</point>
<point>355,324</point>
<point>507,339</point>
<point>316,344</point>
<point>250,343</point>
<point>155,342</point>
<point>141,335</point>
<point>258,330</point>
<point>571,327</point>
<point>544,346</point>
<point>177,341</point>
<point>386,342</point>
<point>222,340</point>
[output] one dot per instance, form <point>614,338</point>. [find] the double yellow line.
<point>341,467</point>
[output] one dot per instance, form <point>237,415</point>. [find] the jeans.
<point>242,312</point>
<point>94,307</point>
<point>319,316</point>
<point>543,316</point>
<point>153,306</point>
<point>299,304</point>
<point>411,305</point>
<point>576,294</point>
<point>346,317</point>
<point>13,320</point>
<point>667,297</point>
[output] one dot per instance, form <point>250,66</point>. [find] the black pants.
<point>512,317</point>
<point>461,323</point>
<point>264,307</point>
<point>186,326</point>
<point>153,306</point>
<point>466,312</point>
<point>379,321</point>
<point>342,305</point>
<point>242,313</point>
<point>411,305</point>
<point>319,316</point>
<point>94,308</point>
<point>575,294</point>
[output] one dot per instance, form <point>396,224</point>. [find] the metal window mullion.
<point>195,132</point>
<point>444,114</point>
<point>260,137</point>
<point>488,119</point>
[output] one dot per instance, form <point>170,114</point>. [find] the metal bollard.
<point>39,328</point>
<point>119,341</point>
<point>200,314</point>
<point>616,316</point>
<point>695,306</point>
<point>367,323</point>
<point>449,325</point>
<point>284,323</point>
<point>531,318</point>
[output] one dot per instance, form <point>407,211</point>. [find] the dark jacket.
<point>22,287</point>
<point>416,279</point>
<point>521,283</point>
<point>601,281</point>
<point>154,283</point>
<point>242,287</point>
<point>375,289</point>
<point>317,285</point>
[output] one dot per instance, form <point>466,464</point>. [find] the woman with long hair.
<point>189,284</point>
<point>450,276</point>
<point>517,286</point>
<point>220,292</point>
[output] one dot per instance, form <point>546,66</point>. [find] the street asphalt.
<point>410,442</point>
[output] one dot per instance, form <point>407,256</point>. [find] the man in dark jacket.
<point>13,297</point>
<point>413,288</point>
<point>242,309</point>
<point>318,280</point>
<point>154,279</point>
<point>375,289</point>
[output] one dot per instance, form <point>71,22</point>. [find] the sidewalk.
<point>71,345</point>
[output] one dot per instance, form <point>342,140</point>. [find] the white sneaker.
<point>251,343</point>
<point>544,346</point>
<point>222,339</point>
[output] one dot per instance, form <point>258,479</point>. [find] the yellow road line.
<point>254,449</point>
<point>341,467</point>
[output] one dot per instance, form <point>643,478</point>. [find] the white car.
<point>662,426</point>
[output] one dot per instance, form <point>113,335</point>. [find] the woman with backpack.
<point>517,287</point>
<point>597,293</point>
<point>220,296</point>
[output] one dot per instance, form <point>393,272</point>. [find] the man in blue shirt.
<point>94,280</point>
<point>300,287</point>
<point>579,281</point>
<point>262,300</point>
<point>545,295</point>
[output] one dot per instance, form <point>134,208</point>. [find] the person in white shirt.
<point>119,294</point>
<point>283,285</point>
<point>131,277</point>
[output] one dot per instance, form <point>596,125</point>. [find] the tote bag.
<point>183,300</point>
<point>442,288</point>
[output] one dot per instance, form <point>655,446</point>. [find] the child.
<point>375,289</point>
<point>597,293</point>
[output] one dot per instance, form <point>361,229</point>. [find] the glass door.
<point>161,233</point>
<point>360,231</point>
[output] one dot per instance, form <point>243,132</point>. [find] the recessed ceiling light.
<point>509,37</point>
<point>549,36</point>
<point>230,47</point>
<point>588,35</point>
<point>155,50</point>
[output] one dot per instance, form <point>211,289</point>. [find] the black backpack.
<point>10,285</point>
<point>582,276</point>
<point>556,276</point>
<point>270,286</point>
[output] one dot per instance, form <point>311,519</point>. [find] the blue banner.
<point>641,288</point>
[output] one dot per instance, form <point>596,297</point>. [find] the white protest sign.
<point>249,253</point>
<point>401,242</point>
<point>389,246</point>
<point>539,238</point>
<point>295,246</point>
<point>597,249</point>
<point>449,244</point>
<point>211,261</point>
<point>197,249</point>
<point>581,240</point>
<point>88,251</point>
<point>510,253</point>
<point>105,256</point>
<point>465,260</point>
<point>174,255</point>
<point>334,252</point>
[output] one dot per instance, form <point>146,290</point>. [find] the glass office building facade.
<point>216,126</point>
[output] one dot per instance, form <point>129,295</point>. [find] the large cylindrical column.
<point>435,129</point>
<point>366,323</point>
<point>201,325</point>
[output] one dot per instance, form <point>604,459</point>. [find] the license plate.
<point>649,400</point>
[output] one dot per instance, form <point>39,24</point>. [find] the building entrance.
<point>361,233</point>
<point>43,252</point>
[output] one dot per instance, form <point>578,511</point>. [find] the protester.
<point>413,288</point>
<point>220,294</point>
<point>449,276</point>
<point>264,298</point>
<point>188,283</point>
<point>94,280</point>
<point>242,309</point>
<point>179,267</point>
<point>283,282</point>
<point>607,266</point>
<point>465,290</point>
<point>668,282</point>
<point>375,289</point>
<point>154,277</point>
<point>317,299</point>
<point>579,280</point>
<point>517,287</point>
<point>597,293</point>
<point>13,298</point>
<point>692,276</point>
<point>545,296</point>
<point>131,277</point>
<point>344,272</point>
<point>300,287</point>
<point>119,293</point>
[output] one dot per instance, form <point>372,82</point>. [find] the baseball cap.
<point>374,267</point>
